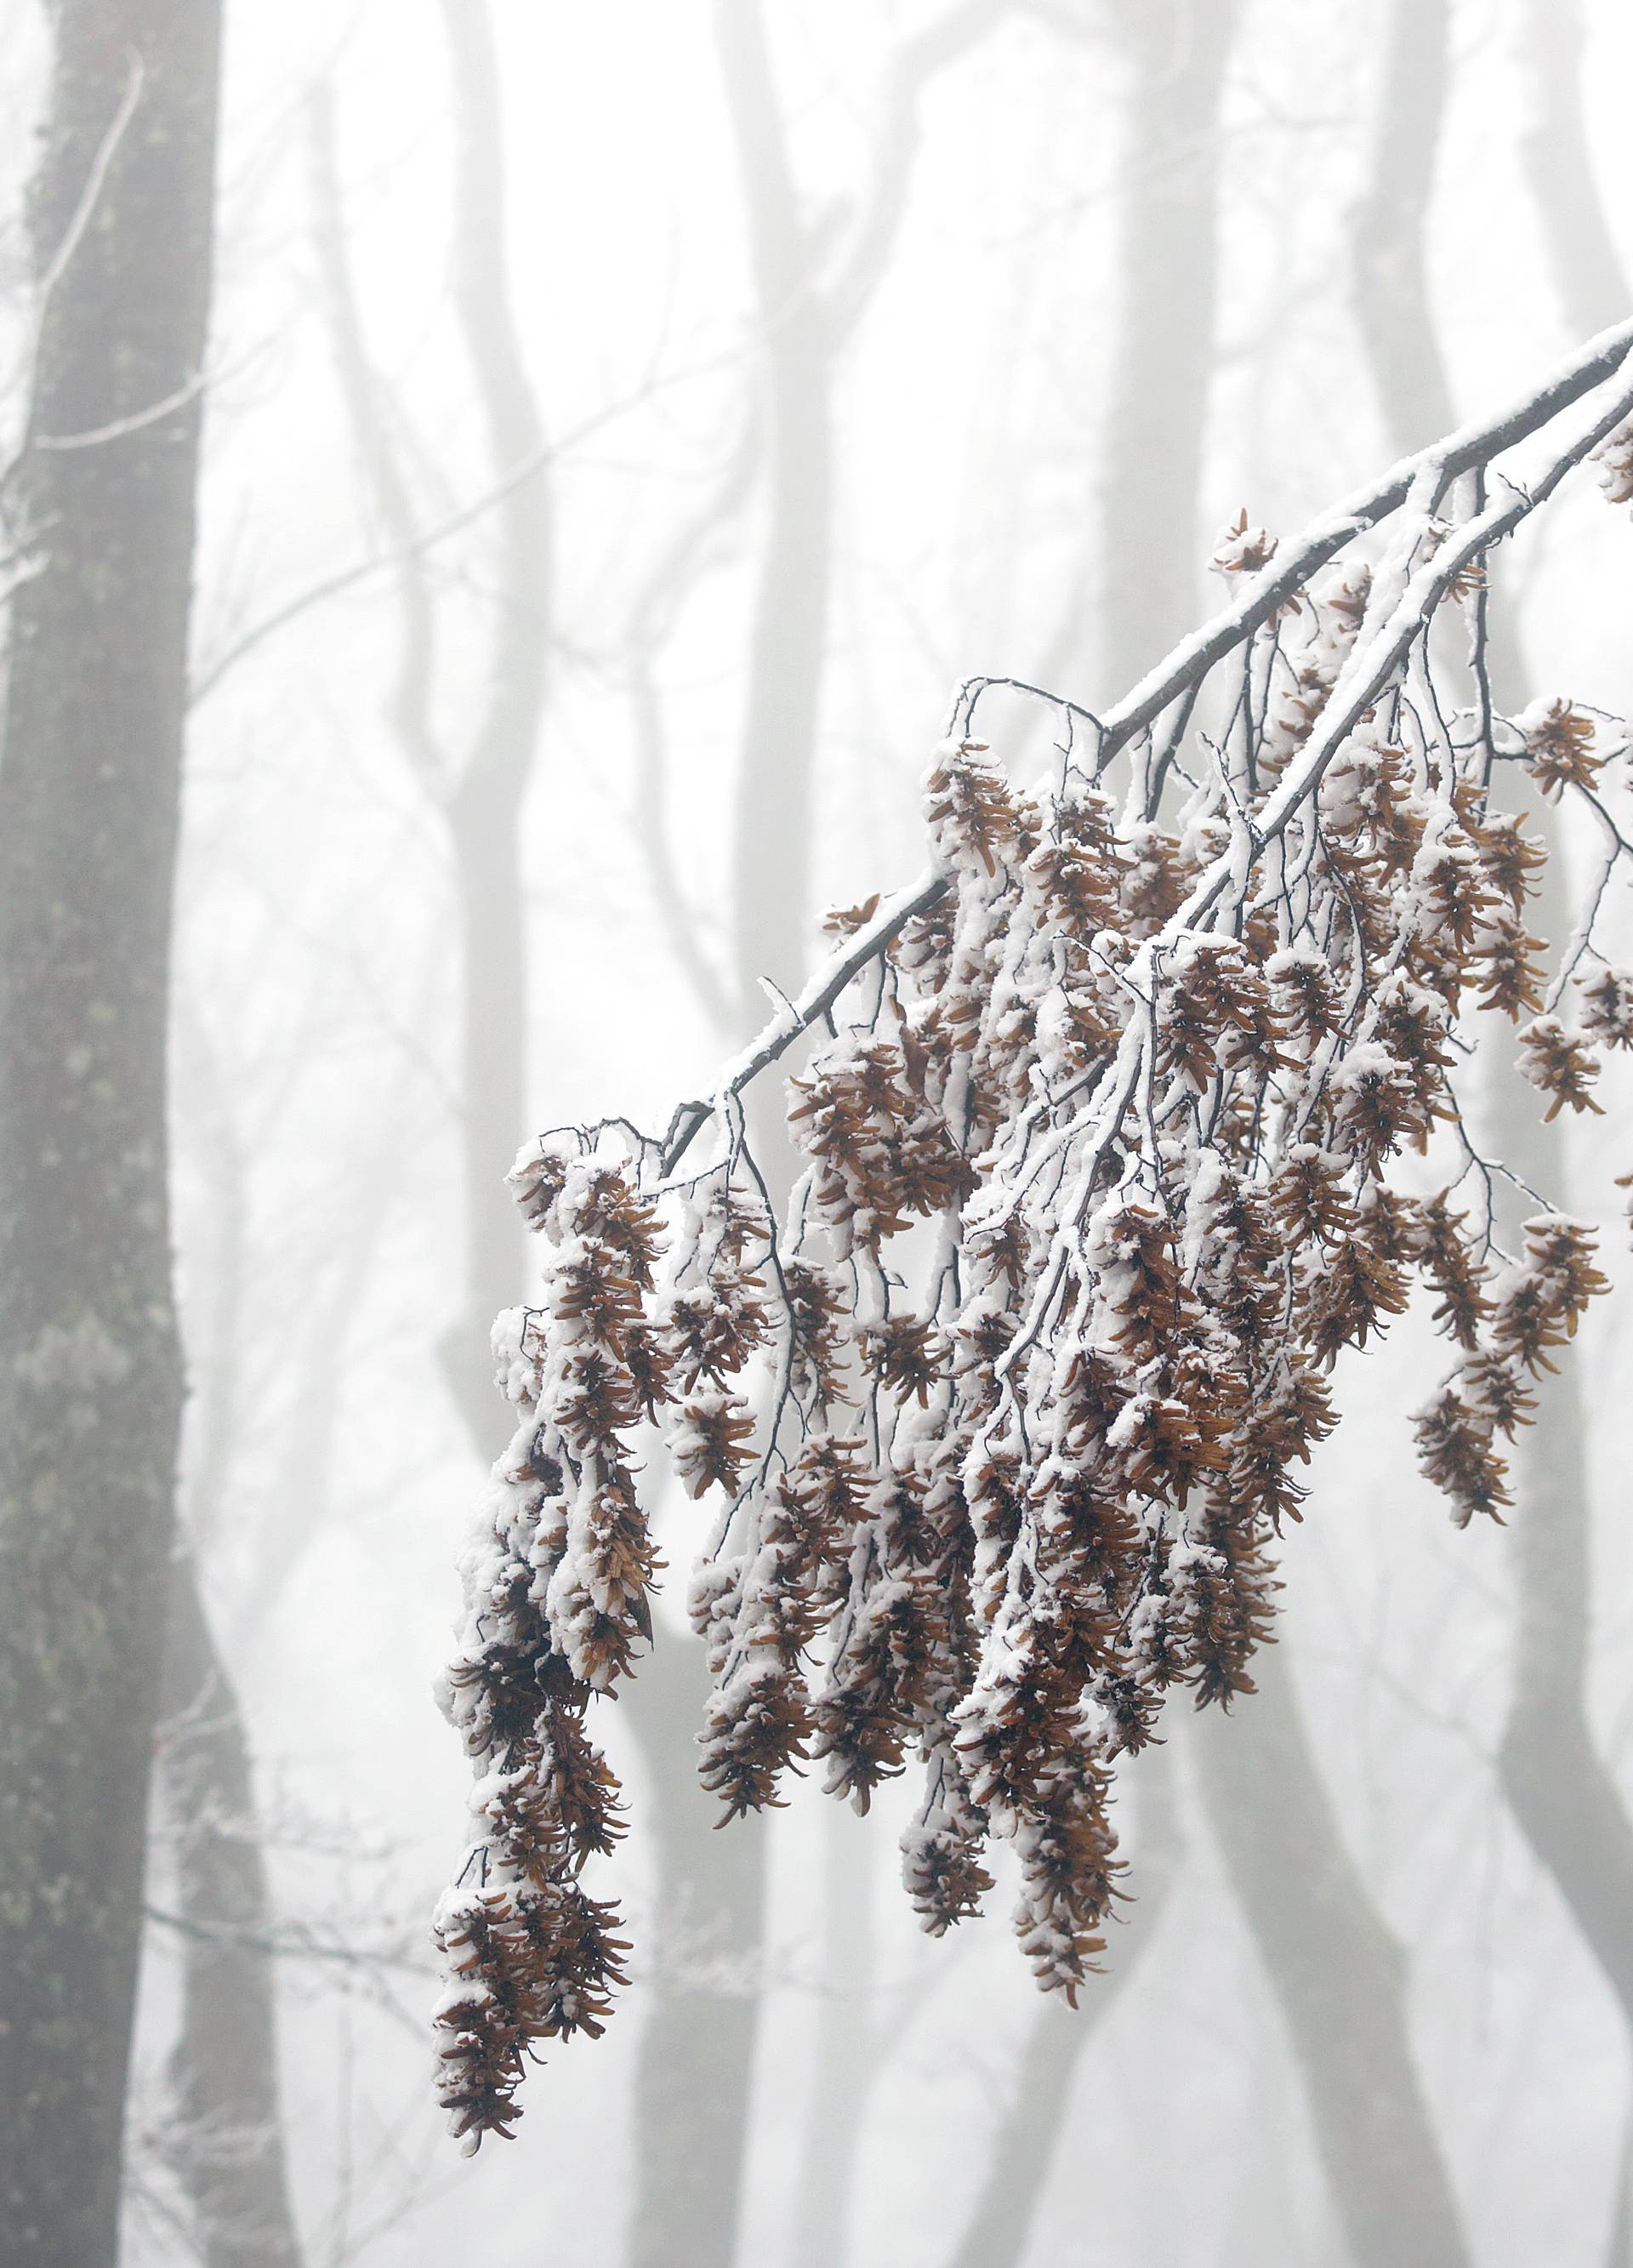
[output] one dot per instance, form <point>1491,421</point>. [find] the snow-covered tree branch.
<point>1114,1131</point>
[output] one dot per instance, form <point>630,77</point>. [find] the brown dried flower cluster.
<point>1101,1172</point>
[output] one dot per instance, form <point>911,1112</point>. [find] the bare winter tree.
<point>814,274</point>
<point>121,219</point>
<point>1305,1901</point>
<point>1341,1977</point>
<point>477,785</point>
<point>1140,566</point>
<point>1560,1792</point>
<point>1097,1181</point>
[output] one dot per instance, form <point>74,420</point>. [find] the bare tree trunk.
<point>1566,1801</point>
<point>772,862</point>
<point>1339,1976</point>
<point>1387,239</point>
<point>809,297</point>
<point>1558,149</point>
<point>484,814</point>
<point>847,2046</point>
<point>697,2062</point>
<point>1028,2140</point>
<point>693,2087</point>
<point>1261,1782</point>
<point>480,793</point>
<point>1168,264</point>
<point>482,790</point>
<point>89,1358</point>
<point>227,2139</point>
<point>224,2137</point>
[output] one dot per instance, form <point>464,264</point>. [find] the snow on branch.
<point>1097,1154</point>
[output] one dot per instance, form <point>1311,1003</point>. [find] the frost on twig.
<point>1098,1175</point>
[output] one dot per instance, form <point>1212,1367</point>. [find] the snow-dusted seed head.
<point>1122,1127</point>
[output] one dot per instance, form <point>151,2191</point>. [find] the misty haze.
<point>903,725</point>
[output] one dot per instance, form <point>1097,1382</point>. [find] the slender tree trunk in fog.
<point>484,812</point>
<point>1167,228</point>
<point>1560,1791</point>
<point>694,2080</point>
<point>1558,153</point>
<point>696,2058</point>
<point>480,790</point>
<point>846,2049</point>
<point>697,2051</point>
<point>1178,55</point>
<point>1309,1907</point>
<point>1387,228</point>
<point>809,297</point>
<point>1565,1799</point>
<point>1340,1978</point>
<point>223,2136</point>
<point>90,1360</point>
<point>225,2141</point>
<point>1027,2141</point>
<point>772,863</point>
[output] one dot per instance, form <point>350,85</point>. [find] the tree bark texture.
<point>225,2138</point>
<point>90,1363</point>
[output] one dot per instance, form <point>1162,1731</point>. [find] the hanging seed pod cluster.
<point>1119,1128</point>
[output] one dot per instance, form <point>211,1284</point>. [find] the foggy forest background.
<point>624,424</point>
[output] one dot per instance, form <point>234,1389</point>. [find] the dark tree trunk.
<point>90,1362</point>
<point>226,2140</point>
<point>1339,1976</point>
